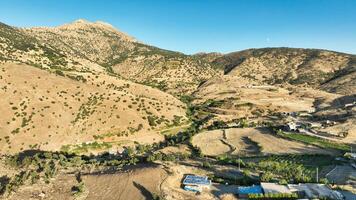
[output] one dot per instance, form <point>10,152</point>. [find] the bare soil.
<point>250,141</point>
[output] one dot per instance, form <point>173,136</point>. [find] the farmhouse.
<point>196,183</point>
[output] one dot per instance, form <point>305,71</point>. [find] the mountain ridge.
<point>289,65</point>
<point>82,45</point>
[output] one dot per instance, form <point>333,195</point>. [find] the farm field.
<point>136,182</point>
<point>250,141</point>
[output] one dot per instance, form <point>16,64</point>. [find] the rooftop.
<point>255,189</point>
<point>351,155</point>
<point>275,188</point>
<point>196,180</point>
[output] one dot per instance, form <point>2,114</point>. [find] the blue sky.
<point>192,26</point>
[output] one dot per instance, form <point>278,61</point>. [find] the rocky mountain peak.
<point>88,26</point>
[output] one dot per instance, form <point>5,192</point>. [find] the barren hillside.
<point>51,111</point>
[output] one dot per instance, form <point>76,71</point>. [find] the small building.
<point>243,192</point>
<point>273,188</point>
<point>350,155</point>
<point>313,191</point>
<point>329,123</point>
<point>196,183</point>
<point>313,125</point>
<point>291,126</point>
<point>350,104</point>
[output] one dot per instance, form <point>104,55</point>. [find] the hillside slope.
<point>73,88</point>
<point>16,46</point>
<point>49,111</point>
<point>312,67</point>
<point>85,82</point>
<point>260,83</point>
<point>119,53</point>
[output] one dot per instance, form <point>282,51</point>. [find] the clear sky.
<point>192,26</point>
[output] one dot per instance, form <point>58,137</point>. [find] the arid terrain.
<point>89,112</point>
<point>47,111</point>
<point>240,141</point>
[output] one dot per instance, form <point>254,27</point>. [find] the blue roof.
<point>256,189</point>
<point>196,180</point>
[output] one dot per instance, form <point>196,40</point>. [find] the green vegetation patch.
<point>320,142</point>
<point>86,147</point>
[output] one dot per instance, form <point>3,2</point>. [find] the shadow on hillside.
<point>111,163</point>
<point>145,192</point>
<point>28,153</point>
<point>114,170</point>
<point>4,180</point>
<point>341,101</point>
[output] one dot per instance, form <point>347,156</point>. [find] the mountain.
<point>328,70</point>
<point>103,45</point>
<point>59,91</point>
<point>259,83</point>
<point>96,42</point>
<point>17,46</point>
<point>89,112</point>
<point>87,82</point>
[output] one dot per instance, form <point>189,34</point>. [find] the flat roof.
<point>196,180</point>
<point>255,189</point>
<point>275,188</point>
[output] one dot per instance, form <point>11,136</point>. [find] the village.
<point>271,190</point>
<point>317,189</point>
<point>178,100</point>
<point>268,190</point>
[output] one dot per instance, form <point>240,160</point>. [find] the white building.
<point>350,155</point>
<point>292,126</point>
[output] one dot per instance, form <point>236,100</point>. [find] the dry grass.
<point>45,111</point>
<point>135,183</point>
<point>249,141</point>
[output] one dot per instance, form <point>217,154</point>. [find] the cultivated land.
<point>88,112</point>
<point>248,142</point>
<point>135,183</point>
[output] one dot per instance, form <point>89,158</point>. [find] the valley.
<point>89,112</point>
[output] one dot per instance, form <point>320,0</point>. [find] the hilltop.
<point>101,44</point>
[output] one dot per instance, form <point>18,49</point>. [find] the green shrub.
<point>59,72</point>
